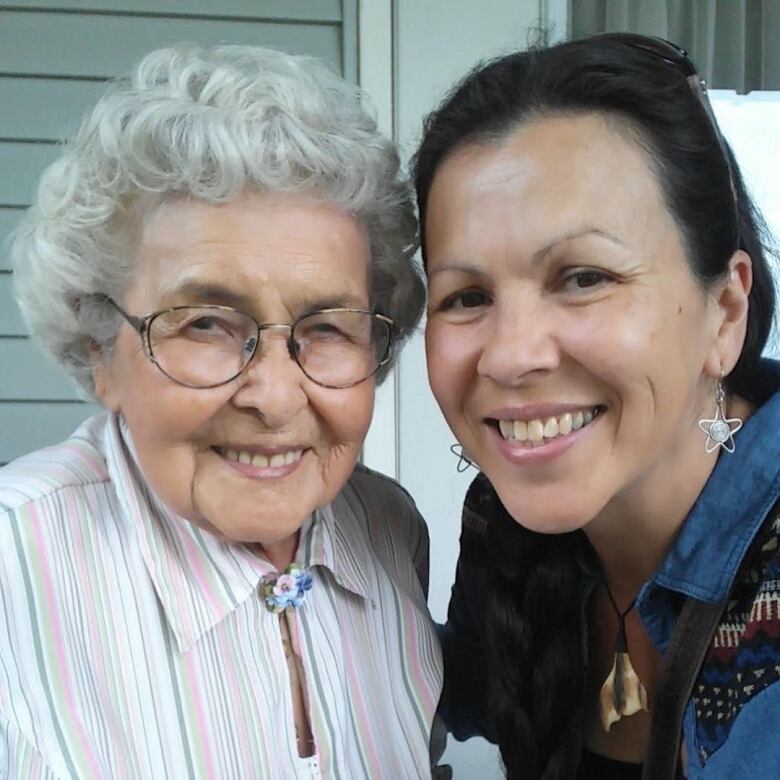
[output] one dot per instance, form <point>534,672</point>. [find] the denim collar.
<point>741,490</point>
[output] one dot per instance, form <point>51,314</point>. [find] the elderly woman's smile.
<point>249,458</point>
<point>274,462</point>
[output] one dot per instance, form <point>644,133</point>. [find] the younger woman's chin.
<point>554,526</point>
<point>545,520</point>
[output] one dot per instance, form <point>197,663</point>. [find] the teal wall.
<point>54,58</point>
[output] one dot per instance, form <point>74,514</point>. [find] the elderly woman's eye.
<point>345,327</point>
<point>204,323</point>
<point>201,328</point>
<point>325,330</point>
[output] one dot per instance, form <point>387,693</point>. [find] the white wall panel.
<point>749,123</point>
<point>115,42</point>
<point>298,10</point>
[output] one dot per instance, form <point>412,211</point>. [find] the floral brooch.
<point>286,590</point>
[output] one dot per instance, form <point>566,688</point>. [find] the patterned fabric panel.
<point>744,657</point>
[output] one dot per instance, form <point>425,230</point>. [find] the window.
<point>750,123</point>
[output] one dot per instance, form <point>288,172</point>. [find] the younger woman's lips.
<point>551,450</point>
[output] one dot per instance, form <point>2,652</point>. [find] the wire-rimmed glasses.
<point>208,346</point>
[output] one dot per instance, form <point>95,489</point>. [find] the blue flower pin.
<point>286,590</point>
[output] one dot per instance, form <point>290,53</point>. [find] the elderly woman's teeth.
<point>536,431</point>
<point>263,461</point>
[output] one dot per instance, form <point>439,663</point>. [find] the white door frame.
<point>376,43</point>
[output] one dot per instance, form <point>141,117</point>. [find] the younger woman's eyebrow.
<point>464,268</point>
<point>538,256</point>
<point>575,234</point>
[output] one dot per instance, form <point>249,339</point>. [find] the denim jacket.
<point>731,727</point>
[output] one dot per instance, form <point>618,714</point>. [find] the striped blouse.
<point>134,645</point>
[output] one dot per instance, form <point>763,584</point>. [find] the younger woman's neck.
<point>635,531</point>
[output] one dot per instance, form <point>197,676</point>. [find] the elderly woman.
<point>599,298</point>
<point>200,582</point>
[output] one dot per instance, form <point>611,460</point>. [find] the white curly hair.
<point>206,123</point>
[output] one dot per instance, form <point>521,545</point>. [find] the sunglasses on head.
<point>677,57</point>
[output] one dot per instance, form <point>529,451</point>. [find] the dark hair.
<point>535,635</point>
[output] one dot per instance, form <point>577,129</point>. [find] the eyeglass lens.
<point>205,347</point>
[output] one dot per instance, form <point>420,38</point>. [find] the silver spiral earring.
<point>464,463</point>
<point>720,429</point>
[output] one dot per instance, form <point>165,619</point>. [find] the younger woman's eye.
<point>583,279</point>
<point>468,299</point>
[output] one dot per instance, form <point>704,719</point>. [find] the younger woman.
<point>599,299</point>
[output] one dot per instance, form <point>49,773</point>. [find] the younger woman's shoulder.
<point>744,658</point>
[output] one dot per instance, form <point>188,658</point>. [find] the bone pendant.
<point>622,693</point>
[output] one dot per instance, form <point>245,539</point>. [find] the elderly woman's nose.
<point>273,381</point>
<point>519,340</point>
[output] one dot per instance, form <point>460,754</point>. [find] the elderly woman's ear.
<point>730,304</point>
<point>103,386</point>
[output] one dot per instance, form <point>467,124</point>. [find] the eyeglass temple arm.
<point>699,87</point>
<point>137,323</point>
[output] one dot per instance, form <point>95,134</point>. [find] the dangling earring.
<point>463,460</point>
<point>720,430</point>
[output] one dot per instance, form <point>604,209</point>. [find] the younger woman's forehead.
<point>549,179</point>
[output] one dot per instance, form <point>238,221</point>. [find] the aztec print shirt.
<point>731,728</point>
<point>135,646</point>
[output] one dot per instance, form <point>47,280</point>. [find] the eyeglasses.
<point>208,346</point>
<point>676,56</point>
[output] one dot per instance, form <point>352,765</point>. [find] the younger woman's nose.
<point>518,342</point>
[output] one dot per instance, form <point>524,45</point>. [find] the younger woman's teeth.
<point>263,461</point>
<point>536,431</point>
